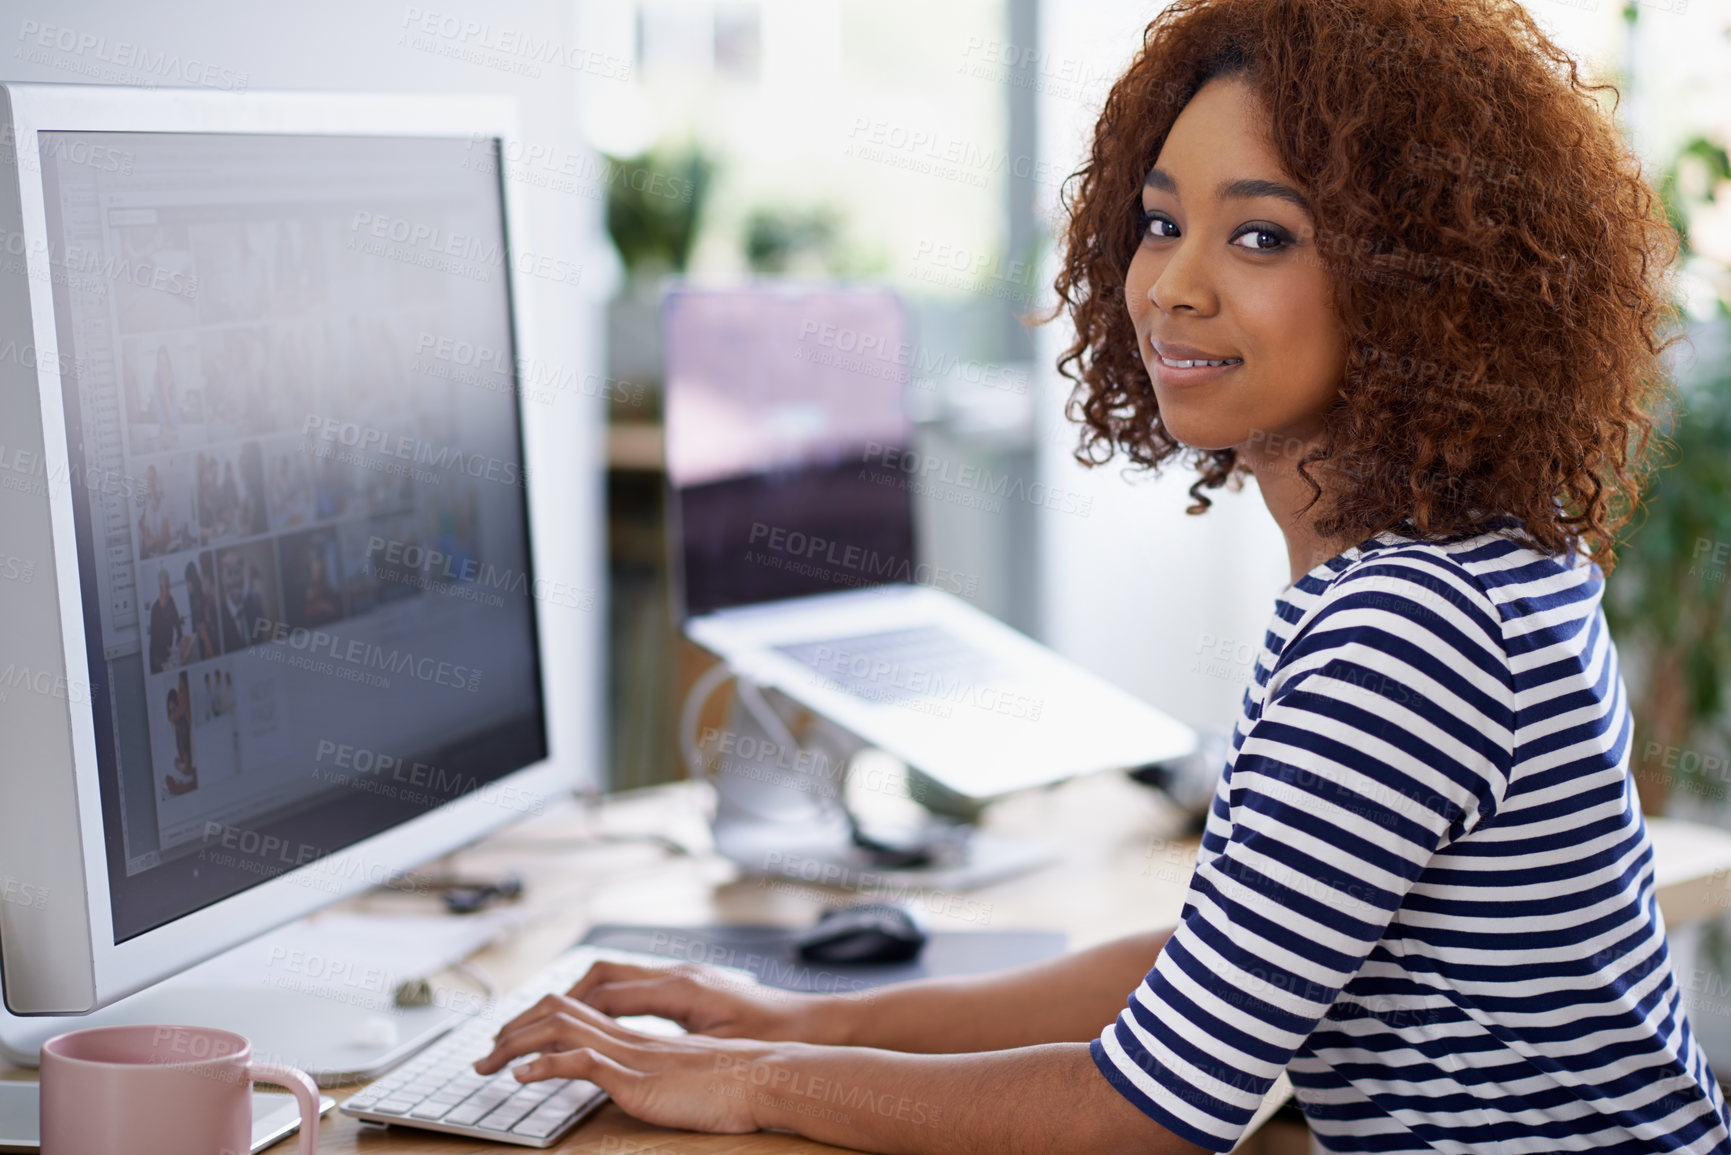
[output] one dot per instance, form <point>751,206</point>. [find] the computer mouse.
<point>874,933</point>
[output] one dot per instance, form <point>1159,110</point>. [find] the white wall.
<point>372,45</point>
<point>1170,607</point>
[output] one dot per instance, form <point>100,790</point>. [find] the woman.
<point>201,604</point>
<point>1388,257</point>
<point>185,780</point>
<point>154,535</point>
<point>164,409</point>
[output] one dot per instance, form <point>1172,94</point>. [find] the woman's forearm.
<point>1002,1098</point>
<point>1036,1099</point>
<point>1068,999</point>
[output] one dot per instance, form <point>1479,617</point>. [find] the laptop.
<point>792,479</point>
<point>274,1116</point>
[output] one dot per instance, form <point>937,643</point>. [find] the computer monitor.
<point>273,520</point>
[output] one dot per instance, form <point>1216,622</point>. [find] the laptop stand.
<point>801,798</point>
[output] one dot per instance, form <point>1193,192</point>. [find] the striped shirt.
<point>1425,889</point>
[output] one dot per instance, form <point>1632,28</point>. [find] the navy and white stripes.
<point>1425,888</point>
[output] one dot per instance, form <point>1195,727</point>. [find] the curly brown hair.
<point>1500,265</point>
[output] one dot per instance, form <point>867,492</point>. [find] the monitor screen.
<point>788,443</point>
<point>297,477</point>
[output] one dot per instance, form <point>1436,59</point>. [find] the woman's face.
<point>1227,270</point>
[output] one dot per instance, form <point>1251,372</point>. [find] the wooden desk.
<point>1124,870</point>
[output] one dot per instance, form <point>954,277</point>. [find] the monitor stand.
<point>794,799</point>
<point>335,1041</point>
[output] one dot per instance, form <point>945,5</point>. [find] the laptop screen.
<point>787,443</point>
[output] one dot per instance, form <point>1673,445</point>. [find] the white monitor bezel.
<point>552,470</point>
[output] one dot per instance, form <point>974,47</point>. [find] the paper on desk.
<point>341,949</point>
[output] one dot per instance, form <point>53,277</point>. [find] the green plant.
<point>654,205</point>
<point>778,239</point>
<point>1669,600</point>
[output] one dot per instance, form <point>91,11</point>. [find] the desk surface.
<point>1124,870</point>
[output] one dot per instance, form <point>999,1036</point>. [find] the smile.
<point>1175,364</point>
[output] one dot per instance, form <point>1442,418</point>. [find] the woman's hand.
<point>690,1082</point>
<point>1032,1099</point>
<point>703,1000</point>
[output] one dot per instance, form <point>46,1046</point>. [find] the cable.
<point>695,699</point>
<point>420,992</point>
<point>830,802</point>
<point>752,696</point>
<point>477,976</point>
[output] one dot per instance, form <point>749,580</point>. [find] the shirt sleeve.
<point>1387,732</point>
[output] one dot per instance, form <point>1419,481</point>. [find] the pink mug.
<point>159,1091</point>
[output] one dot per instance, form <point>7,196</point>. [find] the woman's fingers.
<point>545,1007</point>
<point>670,997</point>
<point>673,1084</point>
<point>603,973</point>
<point>549,1005</point>
<point>581,1063</point>
<point>698,1000</point>
<point>560,1031</point>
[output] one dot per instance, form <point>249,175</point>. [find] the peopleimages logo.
<point>563,170</point>
<point>872,354</point>
<point>443,250</point>
<point>23,893</point>
<point>355,658</point>
<point>812,550</point>
<point>46,683</point>
<point>392,775</point>
<point>494,369</point>
<point>98,57</point>
<point>65,150</point>
<point>501,47</point>
<point>409,563</point>
<point>80,267</point>
<point>419,450</point>
<point>928,470</point>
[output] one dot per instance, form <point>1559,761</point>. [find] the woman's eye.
<point>1150,221</point>
<point>1267,239</point>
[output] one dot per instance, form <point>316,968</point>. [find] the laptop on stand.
<point>792,480</point>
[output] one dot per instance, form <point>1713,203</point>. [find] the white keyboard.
<point>439,1090</point>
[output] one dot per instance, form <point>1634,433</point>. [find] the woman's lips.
<point>1178,376</point>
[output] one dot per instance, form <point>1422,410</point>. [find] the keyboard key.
<point>441,1086</point>
<point>467,1082</point>
<point>433,1108</point>
<point>535,1092</point>
<point>543,1122</point>
<point>574,1096</point>
<point>505,1116</point>
<point>479,1104</point>
<point>468,1113</point>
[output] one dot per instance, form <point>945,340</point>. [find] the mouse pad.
<point>767,952</point>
